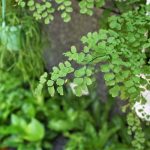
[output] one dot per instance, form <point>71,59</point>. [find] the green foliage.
<point>44,9</point>
<point>135,130</point>
<point>89,130</point>
<point>121,53</point>
<point>29,122</point>
<point>10,36</point>
<point>41,11</point>
<point>21,44</point>
<point>86,6</point>
<point>18,113</point>
<point>28,131</point>
<point>65,8</point>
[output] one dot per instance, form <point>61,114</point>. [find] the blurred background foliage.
<point>29,122</point>
<point>35,122</point>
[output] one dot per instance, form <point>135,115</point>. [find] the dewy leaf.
<point>34,131</point>
<point>61,65</point>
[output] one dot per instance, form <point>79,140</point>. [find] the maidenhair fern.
<point>135,130</point>
<point>44,9</point>
<point>120,52</point>
<point>41,10</point>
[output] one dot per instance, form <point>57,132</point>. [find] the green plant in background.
<point>21,42</point>
<point>79,122</point>
<point>98,133</point>
<point>29,122</point>
<point>18,113</point>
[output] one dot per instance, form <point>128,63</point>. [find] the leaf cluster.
<point>45,9</point>
<point>120,49</point>
<point>21,44</point>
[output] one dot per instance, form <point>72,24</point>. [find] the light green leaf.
<point>60,90</point>
<point>51,91</point>
<point>50,83</point>
<point>78,81</point>
<point>60,82</point>
<point>114,91</point>
<point>34,131</point>
<point>109,76</point>
<point>88,80</point>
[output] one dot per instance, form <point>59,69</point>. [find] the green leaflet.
<point>34,131</point>
<point>115,91</point>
